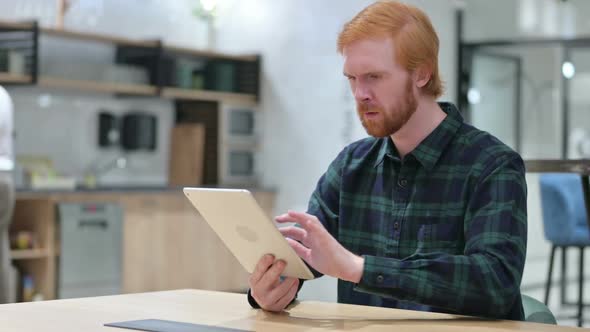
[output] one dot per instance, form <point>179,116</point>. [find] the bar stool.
<point>565,225</point>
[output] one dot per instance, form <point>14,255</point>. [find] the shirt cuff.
<point>251,300</point>
<point>379,275</point>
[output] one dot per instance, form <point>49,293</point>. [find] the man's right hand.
<point>266,287</point>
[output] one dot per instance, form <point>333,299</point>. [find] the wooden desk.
<point>232,310</point>
<point>578,166</point>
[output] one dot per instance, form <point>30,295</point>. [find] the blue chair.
<point>565,225</point>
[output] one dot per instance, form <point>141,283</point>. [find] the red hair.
<point>415,40</point>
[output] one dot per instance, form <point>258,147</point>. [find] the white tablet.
<point>245,229</point>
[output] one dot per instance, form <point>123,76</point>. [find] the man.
<point>6,191</point>
<point>427,214</point>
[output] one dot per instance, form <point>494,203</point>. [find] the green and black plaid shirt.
<point>443,230</point>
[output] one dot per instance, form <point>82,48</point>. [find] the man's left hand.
<point>314,244</point>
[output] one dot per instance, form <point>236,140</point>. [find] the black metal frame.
<point>35,55</point>
<point>580,303</point>
<point>464,48</point>
<point>143,56</point>
<point>26,41</point>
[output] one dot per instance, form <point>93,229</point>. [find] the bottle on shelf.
<point>28,288</point>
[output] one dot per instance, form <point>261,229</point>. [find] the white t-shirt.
<point>6,128</point>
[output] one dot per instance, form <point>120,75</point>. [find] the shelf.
<point>93,86</point>
<point>131,89</point>
<point>210,54</point>
<point>16,25</point>
<point>29,254</point>
<point>14,78</point>
<point>124,41</point>
<point>105,87</point>
<point>97,37</point>
<point>146,54</point>
<point>178,93</point>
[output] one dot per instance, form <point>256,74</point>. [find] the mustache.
<point>366,108</point>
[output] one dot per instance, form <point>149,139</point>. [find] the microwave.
<point>238,165</point>
<point>239,133</point>
<point>239,124</point>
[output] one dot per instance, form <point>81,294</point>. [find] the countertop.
<point>231,311</point>
<point>119,189</point>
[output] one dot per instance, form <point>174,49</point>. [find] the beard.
<point>388,122</point>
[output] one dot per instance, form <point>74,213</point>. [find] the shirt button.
<point>379,279</point>
<point>396,225</point>
<point>402,183</point>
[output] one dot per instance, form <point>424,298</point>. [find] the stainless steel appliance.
<point>90,237</point>
<point>238,145</point>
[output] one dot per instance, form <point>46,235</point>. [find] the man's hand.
<point>266,287</point>
<point>318,248</point>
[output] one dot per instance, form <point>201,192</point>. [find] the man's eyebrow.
<point>372,72</point>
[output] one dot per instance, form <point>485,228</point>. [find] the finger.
<point>279,292</point>
<point>304,222</point>
<point>300,249</point>
<point>270,277</point>
<point>300,216</point>
<point>294,216</point>
<point>288,297</point>
<point>295,233</point>
<point>263,265</point>
<point>284,218</point>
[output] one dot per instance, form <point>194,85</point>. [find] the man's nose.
<point>361,93</point>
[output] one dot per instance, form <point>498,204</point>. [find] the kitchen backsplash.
<point>63,127</point>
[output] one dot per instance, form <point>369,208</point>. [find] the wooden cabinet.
<point>166,243</point>
<point>36,216</point>
<point>166,234</point>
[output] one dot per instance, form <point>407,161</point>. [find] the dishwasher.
<point>90,241</point>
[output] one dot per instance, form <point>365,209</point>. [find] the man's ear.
<point>422,75</point>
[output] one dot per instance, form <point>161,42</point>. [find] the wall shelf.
<point>186,94</point>
<point>15,78</point>
<point>95,86</point>
<point>16,25</point>
<point>223,77</point>
<point>209,54</point>
<point>29,254</point>
<point>85,36</point>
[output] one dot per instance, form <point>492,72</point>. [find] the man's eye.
<point>350,78</point>
<point>373,77</point>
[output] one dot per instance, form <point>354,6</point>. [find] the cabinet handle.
<point>95,223</point>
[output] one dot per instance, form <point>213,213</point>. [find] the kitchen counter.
<point>166,242</point>
<point>28,192</point>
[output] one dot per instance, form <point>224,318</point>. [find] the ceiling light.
<point>568,70</point>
